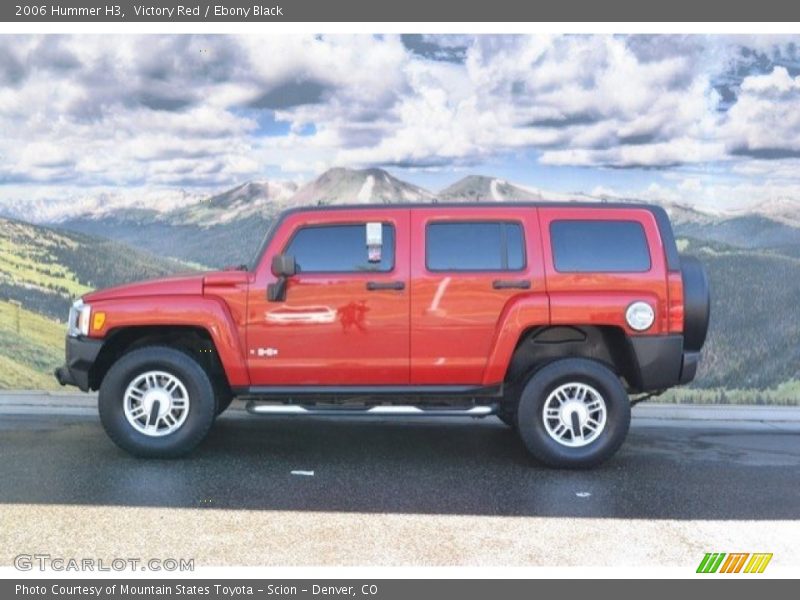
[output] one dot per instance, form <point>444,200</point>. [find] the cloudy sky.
<point>713,120</point>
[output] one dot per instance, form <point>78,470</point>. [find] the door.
<point>467,264</point>
<point>344,319</point>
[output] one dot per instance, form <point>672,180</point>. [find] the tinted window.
<point>339,249</point>
<point>475,247</point>
<point>599,246</point>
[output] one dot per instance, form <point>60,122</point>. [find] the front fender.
<point>206,312</point>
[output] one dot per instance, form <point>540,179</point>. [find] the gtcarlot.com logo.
<point>734,562</point>
<point>47,562</point>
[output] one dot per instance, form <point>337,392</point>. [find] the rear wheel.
<point>573,413</point>
<point>157,402</point>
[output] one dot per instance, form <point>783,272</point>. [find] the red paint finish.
<point>602,298</point>
<point>212,314</point>
<point>442,328</point>
<point>331,330</point>
<point>521,313</point>
<point>190,285</point>
<point>230,288</point>
<point>454,315</point>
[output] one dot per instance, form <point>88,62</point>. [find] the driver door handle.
<point>507,284</point>
<point>373,286</point>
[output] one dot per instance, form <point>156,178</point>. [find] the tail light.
<point>675,302</point>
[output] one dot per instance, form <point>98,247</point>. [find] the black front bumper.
<point>662,362</point>
<point>81,354</point>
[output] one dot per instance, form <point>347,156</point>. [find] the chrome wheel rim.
<point>574,414</point>
<point>156,403</point>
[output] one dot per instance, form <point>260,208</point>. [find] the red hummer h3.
<point>545,315</point>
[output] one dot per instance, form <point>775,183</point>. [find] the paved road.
<point>386,492</point>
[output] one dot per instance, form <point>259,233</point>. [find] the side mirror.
<point>283,266</point>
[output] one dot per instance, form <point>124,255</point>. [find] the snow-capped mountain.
<point>478,188</point>
<point>180,223</point>
<point>336,186</point>
<point>98,204</point>
<point>359,186</point>
<point>785,210</point>
<point>246,200</point>
<point>233,222</point>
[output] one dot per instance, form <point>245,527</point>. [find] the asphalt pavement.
<point>267,490</point>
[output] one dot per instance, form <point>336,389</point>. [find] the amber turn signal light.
<point>98,320</point>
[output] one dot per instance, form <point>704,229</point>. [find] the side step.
<point>386,410</point>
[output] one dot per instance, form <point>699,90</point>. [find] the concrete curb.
<point>32,401</point>
<point>717,412</point>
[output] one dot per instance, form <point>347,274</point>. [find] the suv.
<point>546,315</point>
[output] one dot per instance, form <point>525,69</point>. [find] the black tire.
<point>201,411</point>
<point>531,422</point>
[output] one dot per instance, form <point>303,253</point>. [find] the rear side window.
<point>475,246</point>
<point>599,246</point>
<point>340,249</point>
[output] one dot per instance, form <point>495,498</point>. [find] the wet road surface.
<point>389,492</point>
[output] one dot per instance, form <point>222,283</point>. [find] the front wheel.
<point>156,402</point>
<point>573,413</point>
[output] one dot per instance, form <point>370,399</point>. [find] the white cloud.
<point>105,113</point>
<point>765,121</point>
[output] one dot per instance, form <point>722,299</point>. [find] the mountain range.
<point>234,222</point>
<point>342,186</point>
<point>753,260</point>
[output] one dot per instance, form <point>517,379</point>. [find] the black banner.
<point>379,589</point>
<point>406,11</point>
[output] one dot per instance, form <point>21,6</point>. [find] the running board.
<point>386,410</point>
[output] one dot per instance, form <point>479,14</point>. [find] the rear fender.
<point>522,313</point>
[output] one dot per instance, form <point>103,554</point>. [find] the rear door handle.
<point>507,284</point>
<point>385,285</point>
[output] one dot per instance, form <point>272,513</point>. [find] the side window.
<point>599,246</point>
<point>340,249</point>
<point>474,246</point>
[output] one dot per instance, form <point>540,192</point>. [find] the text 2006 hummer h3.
<point>545,315</point>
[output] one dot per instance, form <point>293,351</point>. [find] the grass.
<point>785,394</point>
<point>28,356</point>
<point>30,265</point>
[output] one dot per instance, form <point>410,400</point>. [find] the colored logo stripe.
<point>713,562</point>
<point>758,563</point>
<point>734,562</point>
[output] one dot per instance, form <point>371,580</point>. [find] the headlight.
<point>78,322</point>
<point>640,316</point>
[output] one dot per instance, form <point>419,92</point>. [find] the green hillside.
<point>754,337</point>
<point>747,231</point>
<point>31,346</point>
<point>217,246</point>
<point>46,268</point>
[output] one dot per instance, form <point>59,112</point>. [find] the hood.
<point>176,285</point>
